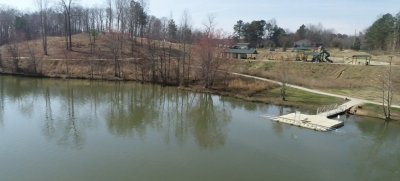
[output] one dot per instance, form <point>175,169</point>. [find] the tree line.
<point>66,18</point>
<point>383,34</point>
<point>261,33</point>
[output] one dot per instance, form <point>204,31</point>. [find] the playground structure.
<point>321,55</point>
<point>302,53</point>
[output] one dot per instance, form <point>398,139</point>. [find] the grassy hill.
<point>84,60</point>
<point>349,80</point>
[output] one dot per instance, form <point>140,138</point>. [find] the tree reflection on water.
<point>209,121</point>
<point>71,132</point>
<point>48,126</point>
<point>131,111</point>
<point>2,100</point>
<point>68,108</point>
<point>381,158</point>
<point>176,113</point>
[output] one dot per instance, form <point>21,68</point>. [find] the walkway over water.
<point>340,109</point>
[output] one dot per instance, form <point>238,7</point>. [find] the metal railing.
<point>330,110</point>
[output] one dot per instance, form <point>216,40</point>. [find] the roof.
<point>242,51</point>
<point>304,40</point>
<point>361,56</point>
<point>243,44</point>
<point>301,48</point>
<point>303,43</point>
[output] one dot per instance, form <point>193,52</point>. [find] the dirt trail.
<point>353,101</point>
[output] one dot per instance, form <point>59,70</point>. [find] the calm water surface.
<point>77,130</point>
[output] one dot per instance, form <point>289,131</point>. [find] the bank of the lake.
<point>376,111</point>
<point>296,98</point>
<point>79,66</point>
<point>268,94</point>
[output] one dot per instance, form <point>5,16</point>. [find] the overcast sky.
<point>344,16</point>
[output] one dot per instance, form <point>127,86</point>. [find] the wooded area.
<point>157,49</point>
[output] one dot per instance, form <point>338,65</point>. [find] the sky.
<point>343,16</point>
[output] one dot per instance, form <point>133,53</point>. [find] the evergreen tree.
<point>378,35</point>
<point>357,44</point>
<point>172,30</point>
<point>301,32</point>
<point>238,29</point>
<point>254,32</point>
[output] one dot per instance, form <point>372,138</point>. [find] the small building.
<point>303,43</point>
<point>241,51</point>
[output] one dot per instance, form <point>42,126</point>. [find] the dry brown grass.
<point>349,80</point>
<point>240,84</point>
<point>337,55</point>
<point>265,54</point>
<point>80,62</point>
<point>81,47</point>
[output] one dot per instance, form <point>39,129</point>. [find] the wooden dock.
<point>320,121</point>
<point>314,122</point>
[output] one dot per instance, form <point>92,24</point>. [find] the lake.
<point>80,130</point>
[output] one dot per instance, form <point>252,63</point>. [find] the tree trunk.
<point>69,31</point>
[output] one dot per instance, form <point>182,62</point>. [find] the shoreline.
<point>304,105</point>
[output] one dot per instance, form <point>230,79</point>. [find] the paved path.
<point>352,102</point>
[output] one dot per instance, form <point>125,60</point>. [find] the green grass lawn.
<point>376,111</point>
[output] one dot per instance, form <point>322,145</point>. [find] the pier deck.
<point>320,121</point>
<point>315,122</point>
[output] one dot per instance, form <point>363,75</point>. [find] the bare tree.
<point>90,16</point>
<point>14,50</point>
<point>209,25</point>
<point>66,54</point>
<point>43,11</point>
<point>100,17</point>
<point>66,4</point>
<point>113,44</point>
<point>185,39</point>
<point>387,89</point>
<point>209,52</point>
<point>284,79</point>
<point>120,12</point>
<point>1,60</point>
<point>109,15</point>
<point>32,55</point>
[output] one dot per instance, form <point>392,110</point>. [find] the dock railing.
<point>331,110</point>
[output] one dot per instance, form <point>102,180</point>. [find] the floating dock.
<point>314,122</point>
<point>320,121</point>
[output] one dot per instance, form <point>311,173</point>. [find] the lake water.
<point>76,130</point>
